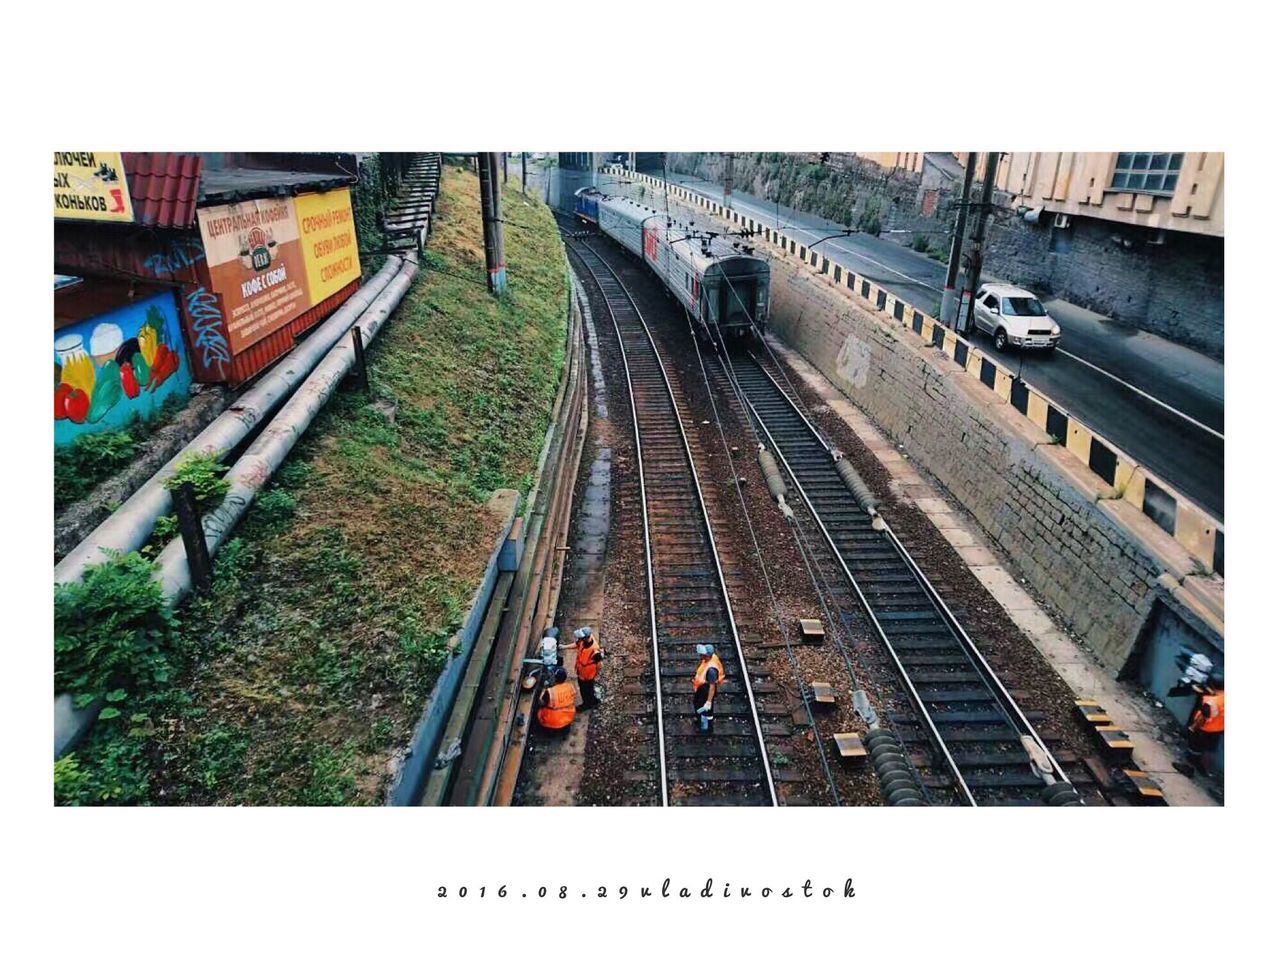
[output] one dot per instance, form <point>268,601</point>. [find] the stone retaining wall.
<point>1063,527</point>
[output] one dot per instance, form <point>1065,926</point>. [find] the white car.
<point>1014,317</point>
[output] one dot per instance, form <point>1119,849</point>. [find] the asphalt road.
<point>1159,402</point>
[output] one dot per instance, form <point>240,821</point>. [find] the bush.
<point>117,773</point>
<point>111,633</point>
<point>920,243</point>
<point>87,461</point>
<point>205,473</point>
<point>272,510</point>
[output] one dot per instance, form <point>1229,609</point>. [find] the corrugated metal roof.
<point>164,188</point>
<point>167,187</point>
<point>232,184</point>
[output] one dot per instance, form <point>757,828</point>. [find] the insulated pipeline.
<point>129,526</point>
<point>258,463</point>
<point>256,466</point>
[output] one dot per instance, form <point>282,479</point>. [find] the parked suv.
<point>1014,316</point>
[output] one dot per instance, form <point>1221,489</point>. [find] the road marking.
<point>1106,373</point>
<point>1142,393</point>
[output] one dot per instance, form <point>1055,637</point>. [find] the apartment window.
<point>1146,172</point>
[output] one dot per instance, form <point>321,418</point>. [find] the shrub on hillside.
<point>111,633</point>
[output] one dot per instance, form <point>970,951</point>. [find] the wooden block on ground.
<point>1116,741</point>
<point>811,630</point>
<point>1092,712</point>
<point>822,695</point>
<point>1148,790</point>
<point>850,746</point>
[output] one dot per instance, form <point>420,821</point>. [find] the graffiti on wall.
<point>116,366</point>
<point>208,331</point>
<point>179,255</point>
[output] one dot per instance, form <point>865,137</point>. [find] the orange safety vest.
<point>700,677</point>
<point>1216,720</point>
<point>587,667</point>
<point>559,711</point>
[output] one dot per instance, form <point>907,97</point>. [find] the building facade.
<point>1137,237</point>
<point>1158,191</point>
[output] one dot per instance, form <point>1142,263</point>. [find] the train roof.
<point>701,246</point>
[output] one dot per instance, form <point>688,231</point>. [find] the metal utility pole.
<point>728,179</point>
<point>973,269</point>
<point>504,168</point>
<point>524,171</point>
<point>949,314</point>
<point>491,218</point>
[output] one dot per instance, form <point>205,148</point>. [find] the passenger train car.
<point>718,280</point>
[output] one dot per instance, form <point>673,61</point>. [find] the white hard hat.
<point>582,632</point>
<point>702,650</point>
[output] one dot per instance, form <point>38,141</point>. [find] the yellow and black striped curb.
<point>1197,532</point>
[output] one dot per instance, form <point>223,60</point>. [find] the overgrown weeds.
<point>302,673</point>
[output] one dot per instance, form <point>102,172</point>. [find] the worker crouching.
<point>706,681</point>
<point>555,705</point>
<point>588,665</point>
<point>1206,724</point>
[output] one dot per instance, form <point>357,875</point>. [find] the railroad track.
<point>966,734</point>
<point>688,598</point>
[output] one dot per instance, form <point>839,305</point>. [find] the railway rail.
<point>966,732</point>
<point>689,601</point>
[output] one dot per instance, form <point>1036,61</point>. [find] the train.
<point>719,280</point>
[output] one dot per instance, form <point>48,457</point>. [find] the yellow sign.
<point>327,230</point>
<point>89,185</point>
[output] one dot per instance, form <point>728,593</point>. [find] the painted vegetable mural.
<point>116,366</point>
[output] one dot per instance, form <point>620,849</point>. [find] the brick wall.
<point>1052,516</point>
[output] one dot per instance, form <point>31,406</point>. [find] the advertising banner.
<point>271,260</point>
<point>90,185</point>
<point>328,231</point>
<point>255,265</point>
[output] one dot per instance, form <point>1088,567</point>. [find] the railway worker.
<point>706,680</point>
<point>556,710</point>
<point>1207,722</point>
<point>588,665</point>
